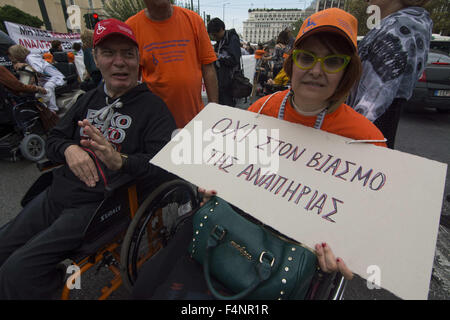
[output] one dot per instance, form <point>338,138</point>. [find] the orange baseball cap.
<point>330,20</point>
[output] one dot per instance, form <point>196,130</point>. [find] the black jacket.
<point>229,57</point>
<point>139,129</point>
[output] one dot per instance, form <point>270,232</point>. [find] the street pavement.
<point>425,134</point>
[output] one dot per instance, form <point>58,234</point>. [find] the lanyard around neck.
<point>319,119</point>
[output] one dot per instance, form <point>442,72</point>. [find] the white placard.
<point>377,208</point>
<point>38,40</point>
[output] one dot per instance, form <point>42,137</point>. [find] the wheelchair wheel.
<point>153,225</point>
<point>32,147</point>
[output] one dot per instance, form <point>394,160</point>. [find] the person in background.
<point>393,57</point>
<point>79,61</point>
<point>21,56</point>
<point>249,48</point>
<point>278,83</point>
<point>281,49</point>
<point>228,50</point>
<point>56,46</point>
<point>10,82</point>
<point>244,51</point>
<point>5,43</point>
<point>47,56</point>
<point>77,49</point>
<point>93,77</point>
<point>260,52</point>
<point>176,54</point>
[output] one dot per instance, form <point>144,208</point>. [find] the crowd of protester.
<point>47,70</point>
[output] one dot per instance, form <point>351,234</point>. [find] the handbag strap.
<point>263,268</point>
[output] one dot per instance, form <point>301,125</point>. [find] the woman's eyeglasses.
<point>306,60</point>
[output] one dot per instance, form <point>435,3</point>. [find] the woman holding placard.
<point>323,67</point>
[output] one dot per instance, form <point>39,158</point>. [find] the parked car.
<point>433,88</point>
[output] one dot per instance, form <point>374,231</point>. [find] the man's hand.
<point>41,90</point>
<point>100,146</point>
<point>81,165</point>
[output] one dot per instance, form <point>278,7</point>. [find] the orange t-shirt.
<point>172,54</point>
<point>344,121</point>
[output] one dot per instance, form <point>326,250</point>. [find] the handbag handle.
<point>263,268</point>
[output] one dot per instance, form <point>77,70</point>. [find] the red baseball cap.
<point>331,20</point>
<point>105,28</point>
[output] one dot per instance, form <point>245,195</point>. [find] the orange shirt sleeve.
<point>206,52</point>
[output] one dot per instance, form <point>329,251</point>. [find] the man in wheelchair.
<point>111,131</point>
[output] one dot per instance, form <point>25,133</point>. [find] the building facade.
<point>325,4</point>
<point>54,12</point>
<point>263,25</point>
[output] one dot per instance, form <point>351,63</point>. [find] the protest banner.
<point>377,208</point>
<point>38,40</point>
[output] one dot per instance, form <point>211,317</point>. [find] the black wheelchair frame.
<point>22,128</point>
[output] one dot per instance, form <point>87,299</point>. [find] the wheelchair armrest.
<point>124,180</point>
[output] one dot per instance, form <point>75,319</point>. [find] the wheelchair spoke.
<point>153,225</point>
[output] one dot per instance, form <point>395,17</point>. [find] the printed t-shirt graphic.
<point>115,133</point>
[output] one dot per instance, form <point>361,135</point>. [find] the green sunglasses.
<point>306,60</point>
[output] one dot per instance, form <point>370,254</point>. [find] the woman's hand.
<point>328,262</point>
<point>207,194</point>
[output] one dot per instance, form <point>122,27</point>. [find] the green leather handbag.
<point>248,258</point>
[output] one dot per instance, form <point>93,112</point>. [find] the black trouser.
<point>225,97</point>
<point>388,121</point>
<point>43,234</point>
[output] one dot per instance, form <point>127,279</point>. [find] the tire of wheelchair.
<point>139,223</point>
<point>32,147</point>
